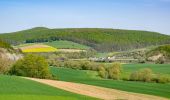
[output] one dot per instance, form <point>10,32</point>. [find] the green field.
<point>90,77</point>
<point>66,45</point>
<point>163,69</point>
<point>16,88</point>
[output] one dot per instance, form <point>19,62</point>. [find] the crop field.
<point>66,45</point>
<point>16,88</point>
<point>38,48</point>
<point>163,69</point>
<point>92,78</point>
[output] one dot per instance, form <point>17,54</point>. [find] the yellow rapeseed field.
<point>38,48</point>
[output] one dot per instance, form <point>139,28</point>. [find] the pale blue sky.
<point>151,15</point>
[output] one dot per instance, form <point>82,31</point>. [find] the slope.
<point>98,38</point>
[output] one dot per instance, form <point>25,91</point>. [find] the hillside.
<point>97,38</point>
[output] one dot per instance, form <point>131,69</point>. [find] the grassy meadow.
<point>17,88</point>
<point>63,44</point>
<point>92,78</point>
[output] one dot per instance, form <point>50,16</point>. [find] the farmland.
<point>84,50</point>
<point>66,45</point>
<point>55,46</point>
<point>91,78</point>
<point>38,48</point>
<point>16,88</point>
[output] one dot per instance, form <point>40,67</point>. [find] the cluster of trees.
<point>111,72</point>
<point>147,75</point>
<point>80,65</point>
<point>31,66</point>
<point>99,39</point>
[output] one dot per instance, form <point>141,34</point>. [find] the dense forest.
<point>100,39</point>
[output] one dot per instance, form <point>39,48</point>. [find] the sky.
<point>149,15</point>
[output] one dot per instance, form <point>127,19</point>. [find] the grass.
<point>156,68</point>
<point>66,45</point>
<point>91,78</point>
<point>16,88</point>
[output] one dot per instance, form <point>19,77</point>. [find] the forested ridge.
<point>98,38</point>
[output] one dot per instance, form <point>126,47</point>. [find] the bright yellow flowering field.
<point>38,48</point>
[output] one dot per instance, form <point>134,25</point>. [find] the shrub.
<point>5,64</point>
<point>31,66</point>
<point>163,79</point>
<point>114,71</point>
<point>145,75</point>
<point>102,71</point>
<point>85,65</point>
<point>134,76</point>
<point>142,75</point>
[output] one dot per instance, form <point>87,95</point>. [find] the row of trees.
<point>147,75</point>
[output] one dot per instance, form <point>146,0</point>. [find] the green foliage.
<point>16,88</point>
<point>99,39</point>
<point>5,65</point>
<point>134,76</point>
<point>31,66</point>
<point>114,71</point>
<point>102,72</point>
<point>142,75</point>
<point>162,79</point>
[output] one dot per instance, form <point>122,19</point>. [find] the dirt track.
<point>97,92</point>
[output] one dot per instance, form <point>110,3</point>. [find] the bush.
<point>142,75</point>
<point>163,79</point>
<point>85,65</point>
<point>102,71</point>
<point>145,75</point>
<point>114,71</point>
<point>134,76</point>
<point>5,65</point>
<point>31,66</point>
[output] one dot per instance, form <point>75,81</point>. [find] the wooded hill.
<point>97,38</point>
